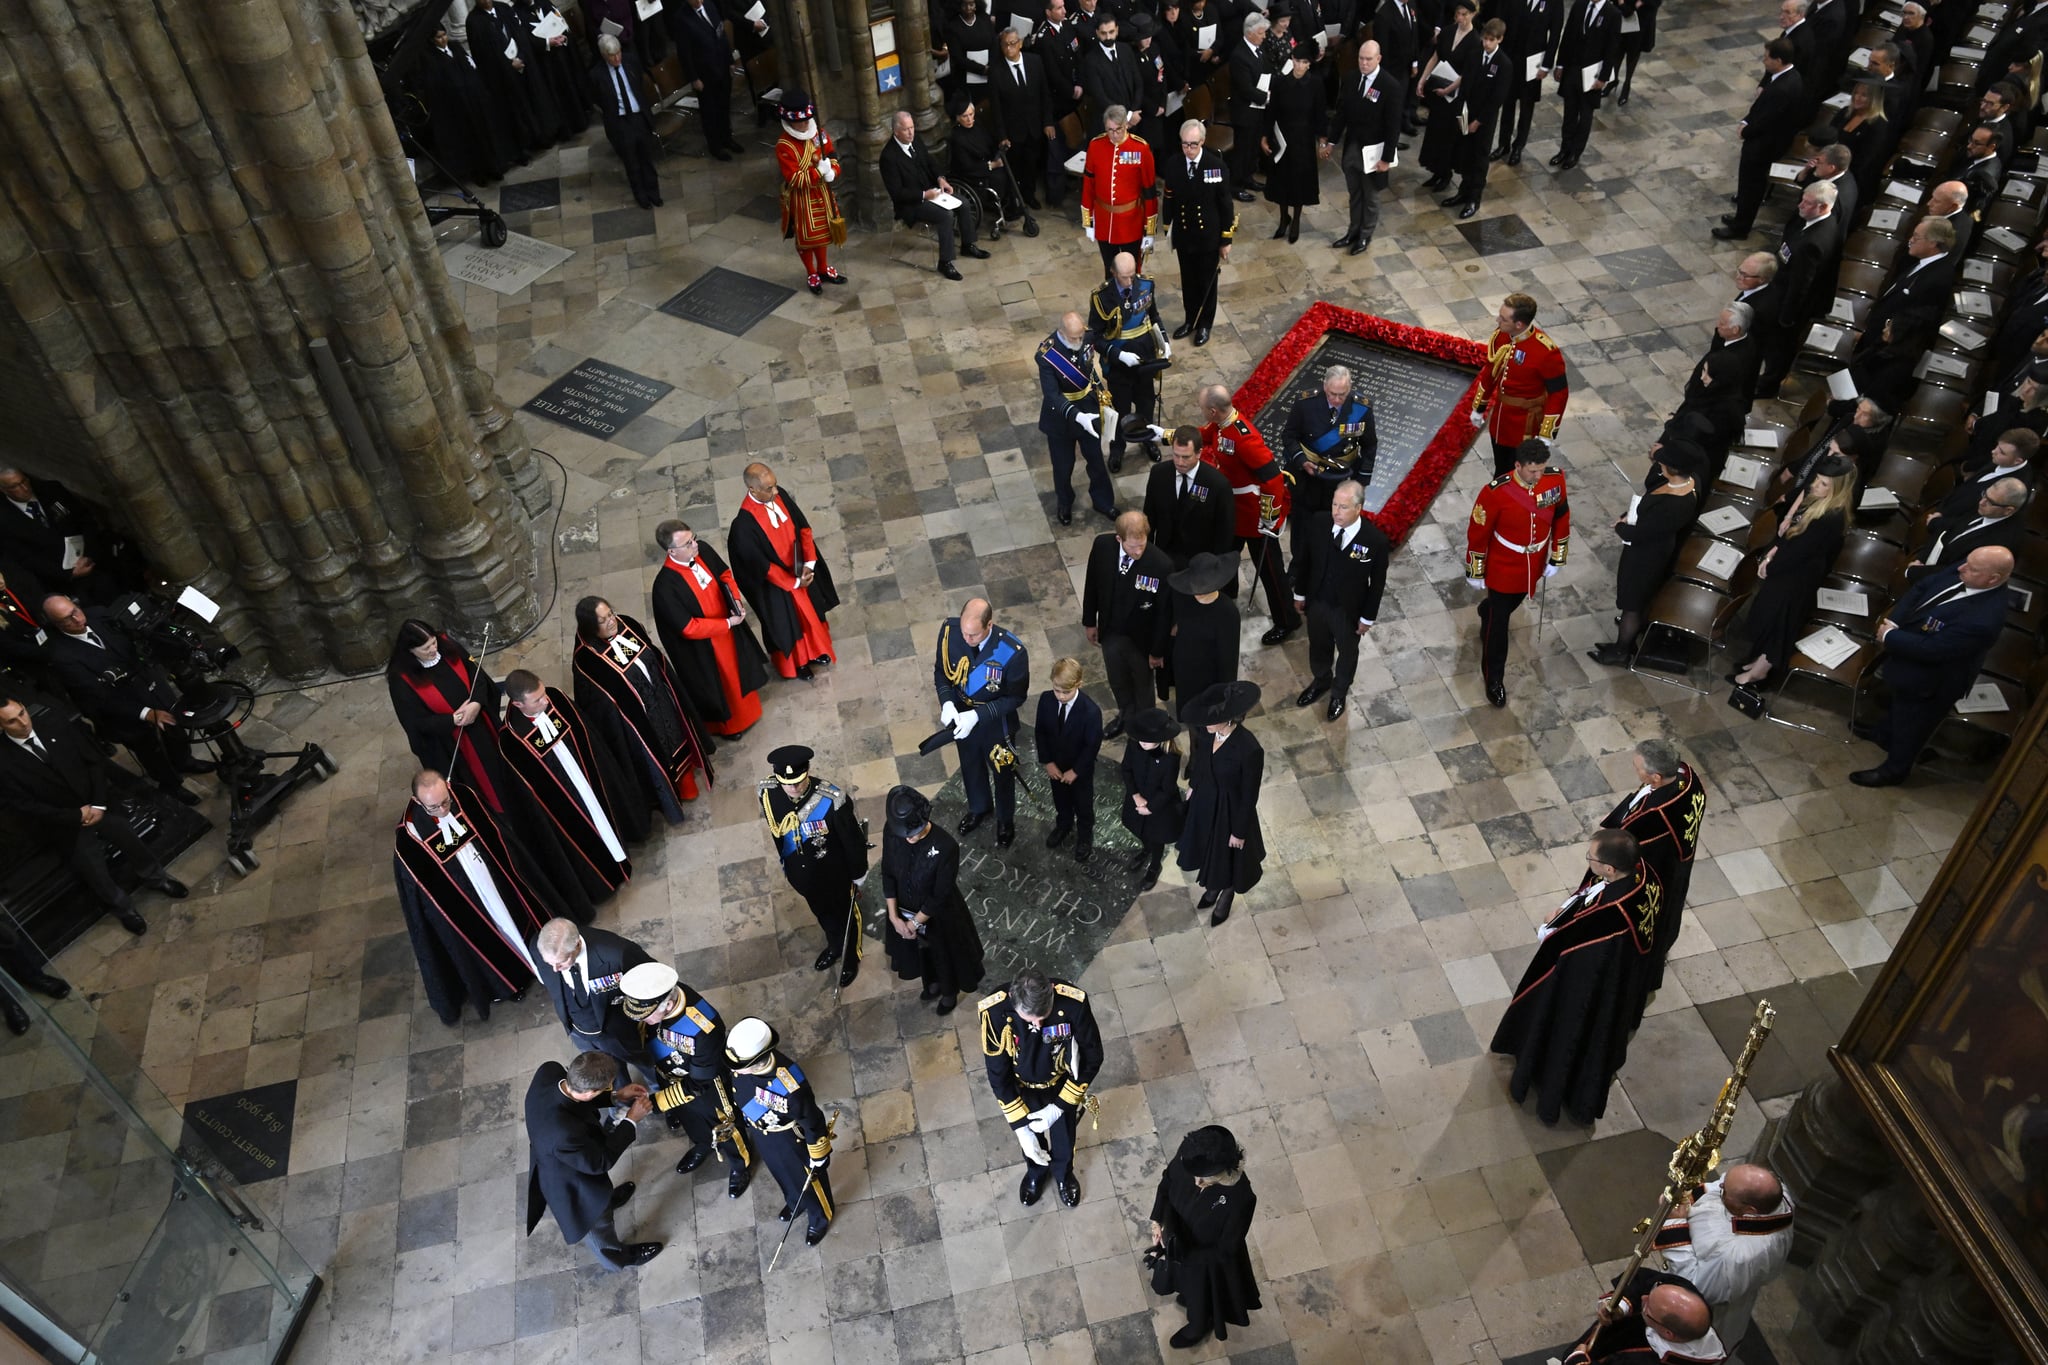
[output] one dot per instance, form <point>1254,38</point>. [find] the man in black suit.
<point>580,970</point>
<point>52,776</point>
<point>1366,115</point>
<point>1719,392</point>
<point>1915,38</point>
<point>1108,73</point>
<point>1996,521</point>
<point>1949,201</point>
<point>1196,207</point>
<point>1188,503</point>
<point>912,181</point>
<point>125,697</point>
<point>697,27</point>
<point>1022,105</point>
<point>1591,39</point>
<point>1994,111</point>
<point>1068,733</point>
<point>1485,92</point>
<point>38,518</point>
<point>1534,28</point>
<point>2011,457</point>
<point>1774,119</point>
<point>493,41</point>
<point>1829,165</point>
<point>1339,573</point>
<point>572,1150</point>
<point>1124,611</point>
<point>1401,35</point>
<point>1756,284</point>
<point>1934,639</point>
<point>1982,172</point>
<point>1797,30</point>
<point>2025,320</point>
<point>26,964</point>
<point>1833,32</point>
<point>619,87</point>
<point>1248,100</point>
<point>1806,275</point>
<point>1919,292</point>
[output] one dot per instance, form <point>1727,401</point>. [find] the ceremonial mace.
<point>810,1188</point>
<point>1694,1159</point>
<point>853,913</point>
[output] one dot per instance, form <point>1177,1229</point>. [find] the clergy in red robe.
<point>775,561</point>
<point>629,693</point>
<point>470,903</point>
<point>702,620</point>
<point>553,753</point>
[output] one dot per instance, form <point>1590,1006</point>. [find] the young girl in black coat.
<point>1153,810</point>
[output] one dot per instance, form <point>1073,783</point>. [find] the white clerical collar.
<point>451,825</point>
<point>1707,1347</point>
<point>429,663</point>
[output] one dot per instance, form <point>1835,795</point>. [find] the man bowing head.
<point>775,562</point>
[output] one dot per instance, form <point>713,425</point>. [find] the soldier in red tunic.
<point>1519,535</point>
<point>1235,447</point>
<point>810,211</point>
<point>1119,198</point>
<point>1522,390</point>
<point>775,562</point>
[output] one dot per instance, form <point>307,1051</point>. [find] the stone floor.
<point>1338,1023</point>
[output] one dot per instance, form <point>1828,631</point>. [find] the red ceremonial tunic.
<point>1236,448</point>
<point>807,199</point>
<point>713,600</point>
<point>1118,197</point>
<point>815,642</point>
<point>1522,390</point>
<point>1516,530</point>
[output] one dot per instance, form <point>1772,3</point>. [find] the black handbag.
<point>1160,1264</point>
<point>1748,700</point>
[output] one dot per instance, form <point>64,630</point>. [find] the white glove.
<point>1034,1147</point>
<point>860,881</point>
<point>1145,245</point>
<point>963,725</point>
<point>818,1162</point>
<point>831,172</point>
<point>1089,233</point>
<point>1042,1119</point>
<point>1550,570</point>
<point>1165,347</point>
<point>1476,584</point>
<point>947,711</point>
<point>1157,432</point>
<point>1478,419</point>
<point>1109,420</point>
<point>1128,359</point>
<point>1087,422</point>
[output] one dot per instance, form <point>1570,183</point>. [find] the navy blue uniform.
<point>1069,390</point>
<point>991,681</point>
<point>791,1133</point>
<point>823,850</point>
<point>1050,1062</point>
<point>1320,447</point>
<point>687,1056</point>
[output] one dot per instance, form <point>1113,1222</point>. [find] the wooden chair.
<point>1694,612</point>
<point>1868,559</point>
<point>1842,682</point>
<point>1934,411</point>
<point>1933,118</point>
<point>1689,568</point>
<point>1198,105</point>
<point>1875,247</point>
<point>1749,507</point>
<point>1857,625</point>
<point>1906,476</point>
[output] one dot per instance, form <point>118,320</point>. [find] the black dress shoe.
<point>1276,635</point>
<point>1557,160</point>
<point>1201,336</point>
<point>1280,231</point>
<point>640,1253</point>
<point>1498,154</point>
<point>806,673</point>
<point>132,922</point>
<point>195,765</point>
<point>950,271</point>
<point>659,201</point>
<point>970,822</point>
<point>848,972</point>
<point>947,1004</point>
<point>1150,878</point>
<point>1346,240</point>
<point>721,155</point>
<point>813,1236</point>
<point>1451,202</point>
<point>16,1016</point>
<point>737,1180</point>
<point>1070,1190</point>
<point>976,252</point>
<point>1570,163</point>
<point>1876,777</point>
<point>826,958</point>
<point>1188,1337</point>
<point>1005,835</point>
<point>56,987</point>
<point>1359,248</point>
<point>1244,196</point>
<point>1108,514</point>
<point>1183,330</point>
<point>1222,910</point>
<point>692,1159</point>
<point>1208,900</point>
<point>622,1194</point>
<point>1113,729</point>
<point>814,286</point>
<point>1336,711</point>
<point>1032,1185</point>
<point>834,277</point>
<point>178,791</point>
<point>1435,183</point>
<point>1497,694</point>
<point>1311,693</point>
<point>1622,102</point>
<point>1066,517</point>
<point>1470,210</point>
<point>1058,836</point>
<point>1729,234</point>
<point>1083,851</point>
<point>1515,157</point>
<point>786,1214</point>
<point>1610,654</point>
<point>170,886</point>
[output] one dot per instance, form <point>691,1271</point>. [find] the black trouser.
<point>788,1160</point>
<point>1906,728</point>
<point>951,226</point>
<point>1073,804</point>
<point>1027,163</point>
<point>1780,344</point>
<point>1264,553</point>
<point>1063,448</point>
<point>1243,156</point>
<point>1493,632</point>
<point>604,1243</point>
<point>632,138</point>
<point>831,904</point>
<point>1313,495</point>
<point>1332,647</point>
<point>88,860</point>
<point>1475,159</point>
<point>1364,191</point>
<point>1520,114</point>
<point>160,751</point>
<point>1199,266</point>
<point>1578,122</point>
<point>1056,155</point>
<point>1136,398</point>
<point>974,773</point>
<point>1752,183</point>
<point>1059,1137</point>
<point>714,110</point>
<point>1110,250</point>
<point>1503,455</point>
<point>1130,673</point>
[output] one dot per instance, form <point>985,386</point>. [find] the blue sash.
<point>988,674</point>
<point>810,822</point>
<point>768,1096</point>
<point>682,1036</point>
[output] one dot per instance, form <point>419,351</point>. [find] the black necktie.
<point>1184,481</point>
<point>35,509</point>
<point>36,747</point>
<point>1191,170</point>
<point>94,640</point>
<point>619,81</point>
<point>576,981</point>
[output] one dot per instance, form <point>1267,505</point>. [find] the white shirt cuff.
<point>145,713</point>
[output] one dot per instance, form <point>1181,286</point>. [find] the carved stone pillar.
<point>1829,1157</point>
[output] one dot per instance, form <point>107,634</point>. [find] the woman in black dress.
<point>1153,809</point>
<point>931,933</point>
<point>1202,1215</point>
<point>1458,44</point>
<point>1294,117</point>
<point>1635,43</point>
<point>974,157</point>
<point>1886,369</point>
<point>1662,519</point>
<point>1220,843</point>
<point>1793,565</point>
<point>1205,624</point>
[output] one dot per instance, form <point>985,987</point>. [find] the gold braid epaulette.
<point>955,674</point>
<point>778,828</point>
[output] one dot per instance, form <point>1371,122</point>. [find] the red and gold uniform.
<point>1518,533</point>
<point>1119,194</point>
<point>810,211</point>
<point>1235,447</point>
<point>1522,391</point>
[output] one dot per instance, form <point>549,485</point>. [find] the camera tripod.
<point>214,712</point>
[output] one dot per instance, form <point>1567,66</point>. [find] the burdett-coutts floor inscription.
<point>727,301</point>
<point>249,1130</point>
<point>598,398</point>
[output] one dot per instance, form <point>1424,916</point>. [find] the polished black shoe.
<point>1115,463</point>
<point>1183,330</point>
<point>692,1159</point>
<point>1346,240</point>
<point>640,1253</point>
<point>1451,202</point>
<point>737,1180</point>
<point>17,1017</point>
<point>1114,728</point>
<point>56,987</point>
<point>178,791</point>
<point>1188,1337</point>
<point>815,286</point>
<point>1033,1183</point>
<point>1359,248</point>
<point>1208,900</point>
<point>1108,514</point>
<point>930,992</point>
<point>950,271</point>
<point>1244,196</point>
<point>1497,694</point>
<point>1311,693</point>
<point>970,822</point>
<point>1150,878</point>
<point>813,1236</point>
<point>621,1194</point>
<point>976,252</point>
<point>1336,708</point>
<point>1610,654</point>
<point>1070,1190</point>
<point>1498,154</point>
<point>848,972</point>
<point>947,1004</point>
<point>1876,777</point>
<point>1435,183</point>
<point>1222,910</point>
<point>1729,234</point>
<point>1469,211</point>
<point>786,1214</point>
<point>1570,163</point>
<point>1515,157</point>
<point>1622,102</point>
<point>1201,336</point>
<point>1058,836</point>
<point>1083,851</point>
<point>170,886</point>
<point>132,922</point>
<point>834,277</point>
<point>1276,635</point>
<point>826,958</point>
<point>805,673</point>
<point>1005,835</point>
<point>1557,160</point>
<point>195,766</point>
<point>1066,517</point>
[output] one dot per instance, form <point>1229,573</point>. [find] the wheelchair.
<point>1000,202</point>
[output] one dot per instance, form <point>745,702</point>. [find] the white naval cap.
<point>749,1038</point>
<point>646,988</point>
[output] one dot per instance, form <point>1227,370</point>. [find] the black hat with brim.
<point>1210,1151</point>
<point>790,763</point>
<point>1206,572</point>
<point>1152,726</point>
<point>909,811</point>
<point>1224,701</point>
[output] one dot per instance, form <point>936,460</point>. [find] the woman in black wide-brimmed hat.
<point>1221,843</point>
<point>1153,809</point>
<point>1202,1215</point>
<point>931,933</point>
<point>1205,624</point>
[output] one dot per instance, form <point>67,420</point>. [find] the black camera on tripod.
<point>190,654</point>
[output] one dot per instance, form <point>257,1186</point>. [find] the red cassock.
<point>1236,448</point>
<point>1118,194</point>
<point>715,594</point>
<point>1516,530</point>
<point>1522,390</point>
<point>792,546</point>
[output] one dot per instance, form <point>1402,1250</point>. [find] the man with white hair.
<point>1195,205</point>
<point>1251,87</point>
<point>912,181</point>
<point>1340,570</point>
<point>620,87</point>
<point>580,971</point>
<point>1806,279</point>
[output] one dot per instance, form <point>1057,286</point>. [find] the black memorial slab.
<point>526,195</point>
<point>250,1131</point>
<point>1034,904</point>
<point>598,398</point>
<point>1412,396</point>
<point>1493,236</point>
<point>727,301</point>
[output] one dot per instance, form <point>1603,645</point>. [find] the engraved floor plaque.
<point>727,301</point>
<point>598,398</point>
